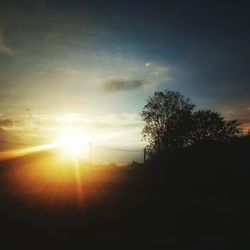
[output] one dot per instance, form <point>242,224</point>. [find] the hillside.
<point>197,199</point>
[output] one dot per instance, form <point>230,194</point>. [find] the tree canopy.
<point>211,126</point>
<point>171,123</point>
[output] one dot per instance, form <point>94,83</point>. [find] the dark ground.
<point>196,199</point>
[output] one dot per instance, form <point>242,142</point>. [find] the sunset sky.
<point>92,64</point>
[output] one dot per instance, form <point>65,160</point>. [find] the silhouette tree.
<point>211,126</point>
<point>168,121</point>
<point>171,124</point>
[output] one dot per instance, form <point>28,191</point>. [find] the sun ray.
<point>5,155</point>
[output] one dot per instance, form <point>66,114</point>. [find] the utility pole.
<point>144,155</point>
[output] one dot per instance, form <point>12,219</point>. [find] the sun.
<point>72,142</point>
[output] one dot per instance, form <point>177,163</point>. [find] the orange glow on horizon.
<point>5,155</point>
<point>56,172</point>
<point>47,178</point>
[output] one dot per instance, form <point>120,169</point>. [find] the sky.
<point>92,64</point>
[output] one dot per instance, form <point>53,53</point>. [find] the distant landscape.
<point>197,198</point>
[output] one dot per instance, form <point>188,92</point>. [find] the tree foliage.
<point>171,123</point>
<point>211,126</point>
<point>168,118</point>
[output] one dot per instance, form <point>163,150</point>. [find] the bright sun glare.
<point>72,142</point>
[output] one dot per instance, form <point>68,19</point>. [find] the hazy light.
<point>72,142</point>
<point>21,152</point>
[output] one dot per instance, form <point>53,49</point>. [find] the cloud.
<point>89,122</point>
<point>159,70</point>
<point>119,121</point>
<point>241,115</point>
<point>6,122</point>
<point>245,125</point>
<point>41,122</point>
<point>116,129</point>
<point>9,123</point>
<point>4,49</point>
<point>156,70</point>
<point>114,85</point>
<point>244,120</point>
<point>68,71</point>
<point>230,112</point>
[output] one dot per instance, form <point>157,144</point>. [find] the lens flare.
<point>72,143</point>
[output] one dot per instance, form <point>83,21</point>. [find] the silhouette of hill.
<point>197,198</point>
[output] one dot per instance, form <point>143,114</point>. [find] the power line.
<point>92,152</point>
<point>96,146</point>
<point>118,149</point>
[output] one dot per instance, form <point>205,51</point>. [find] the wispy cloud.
<point>156,70</point>
<point>230,112</point>
<point>4,49</point>
<point>245,124</point>
<point>114,85</point>
<point>146,76</point>
<point>67,71</point>
<point>11,123</point>
<point>241,114</point>
<point>45,126</point>
<point>109,130</point>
